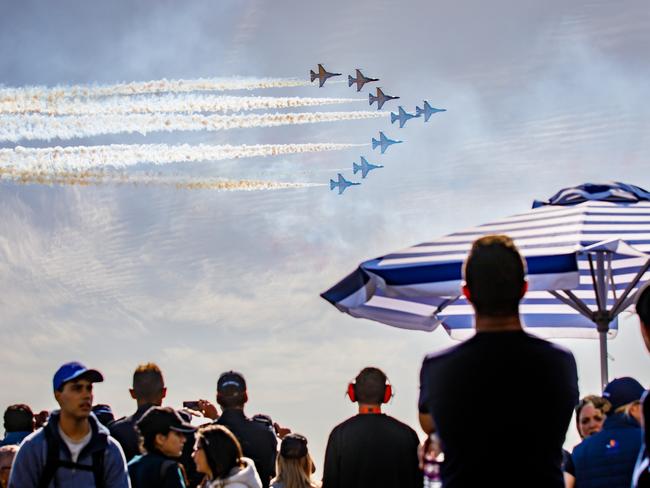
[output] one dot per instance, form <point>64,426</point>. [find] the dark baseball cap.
<point>72,371</point>
<point>159,420</point>
<point>294,446</point>
<point>622,391</point>
<point>232,381</point>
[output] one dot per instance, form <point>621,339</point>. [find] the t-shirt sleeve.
<point>331,467</point>
<point>568,466</point>
<point>423,400</point>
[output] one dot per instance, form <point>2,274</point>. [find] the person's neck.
<point>485,323</point>
<point>147,402</point>
<point>369,408</point>
<point>74,427</point>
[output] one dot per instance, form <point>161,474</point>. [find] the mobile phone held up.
<point>191,404</point>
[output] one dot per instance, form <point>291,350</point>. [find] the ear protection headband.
<point>352,391</point>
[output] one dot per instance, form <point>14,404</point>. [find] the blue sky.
<point>540,96</point>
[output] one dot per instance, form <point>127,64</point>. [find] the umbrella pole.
<point>603,360</point>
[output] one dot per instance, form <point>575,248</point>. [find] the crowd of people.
<point>495,410</point>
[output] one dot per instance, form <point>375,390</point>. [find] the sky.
<point>540,96</point>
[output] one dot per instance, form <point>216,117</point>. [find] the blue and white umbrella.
<point>587,251</point>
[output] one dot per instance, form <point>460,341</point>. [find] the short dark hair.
<point>148,381</point>
<point>495,274</point>
<point>643,305</point>
<point>19,418</point>
<point>222,449</point>
<point>370,385</point>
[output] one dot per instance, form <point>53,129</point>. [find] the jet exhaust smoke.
<point>86,178</point>
<point>81,158</point>
<point>42,127</point>
<point>144,87</point>
<point>168,102</point>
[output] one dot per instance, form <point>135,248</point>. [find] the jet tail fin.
<point>312,75</point>
<point>333,184</point>
<point>418,111</point>
<point>393,117</point>
<point>372,99</point>
<point>375,143</point>
<point>355,168</point>
<point>350,80</point>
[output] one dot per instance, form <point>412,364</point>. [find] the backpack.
<point>53,462</point>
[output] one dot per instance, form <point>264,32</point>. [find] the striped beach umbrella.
<point>587,251</point>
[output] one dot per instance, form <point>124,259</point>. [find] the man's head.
<point>163,430</point>
<point>19,418</point>
<point>494,275</point>
<point>625,396</point>
<point>370,386</point>
<point>643,310</point>
<point>148,385</point>
<point>73,389</point>
<point>231,390</point>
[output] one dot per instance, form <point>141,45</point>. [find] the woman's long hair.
<point>296,473</point>
<point>222,449</point>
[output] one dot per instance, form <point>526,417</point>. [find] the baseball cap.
<point>294,446</point>
<point>163,419</point>
<point>622,391</point>
<point>231,380</point>
<point>73,370</point>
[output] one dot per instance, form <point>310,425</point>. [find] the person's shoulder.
<point>36,438</point>
<point>437,356</point>
<point>398,424</point>
<point>548,347</point>
<point>262,422</point>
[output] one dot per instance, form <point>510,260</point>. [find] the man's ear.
<point>466,293</point>
<point>164,392</point>
<point>524,289</point>
<point>132,392</point>
<point>159,439</point>
<point>57,396</point>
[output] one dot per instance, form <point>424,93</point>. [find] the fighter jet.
<point>428,111</point>
<point>383,142</point>
<point>360,80</point>
<point>403,117</point>
<point>365,167</point>
<point>380,98</point>
<point>342,183</point>
<point>322,75</point>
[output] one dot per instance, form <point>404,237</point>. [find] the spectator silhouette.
<point>18,422</point>
<point>481,395</point>
<point>371,449</point>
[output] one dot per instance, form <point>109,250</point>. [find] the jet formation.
<point>384,142</point>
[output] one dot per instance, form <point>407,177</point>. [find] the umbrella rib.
<point>574,302</point>
<point>618,306</point>
<point>444,305</point>
<point>593,282</point>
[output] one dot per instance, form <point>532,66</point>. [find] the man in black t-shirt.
<point>371,449</point>
<point>641,476</point>
<point>501,401</point>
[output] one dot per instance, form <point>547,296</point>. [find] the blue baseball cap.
<point>622,391</point>
<point>72,371</point>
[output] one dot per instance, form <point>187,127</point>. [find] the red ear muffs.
<point>388,392</point>
<point>351,393</point>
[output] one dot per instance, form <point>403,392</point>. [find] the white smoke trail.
<point>169,102</point>
<point>80,158</point>
<point>99,178</point>
<point>14,128</point>
<point>143,87</point>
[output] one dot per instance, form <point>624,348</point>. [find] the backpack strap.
<point>52,448</point>
<point>98,468</point>
<point>164,466</point>
<point>53,462</point>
